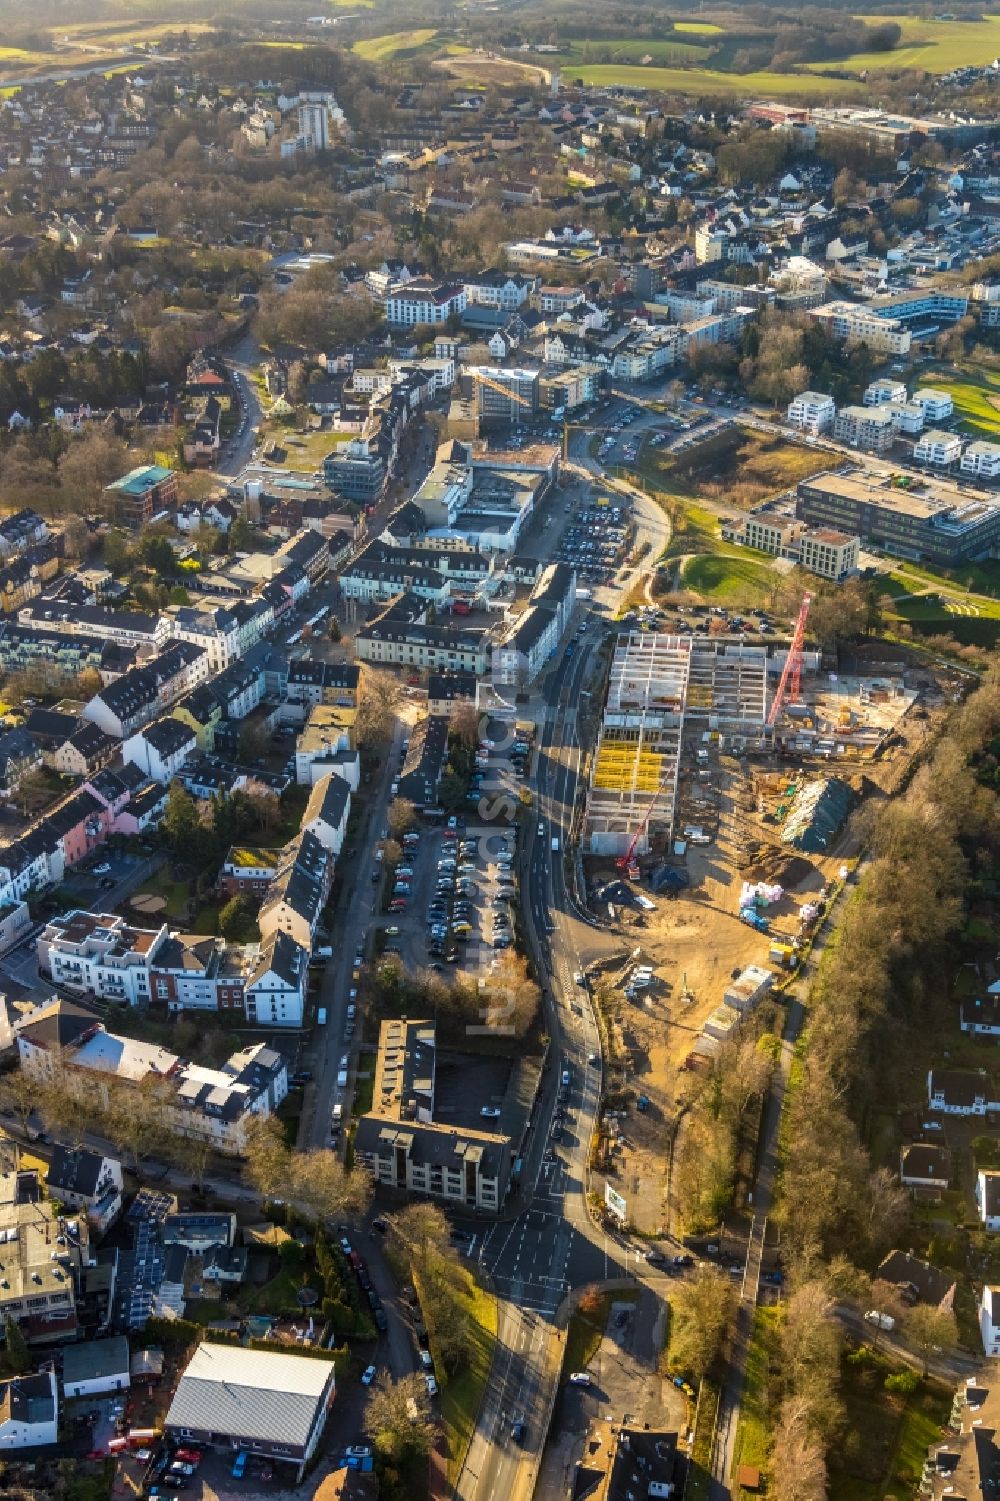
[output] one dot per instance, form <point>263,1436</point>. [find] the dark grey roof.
<point>75,1170</point>
<point>95,1360</point>
<point>167,736</point>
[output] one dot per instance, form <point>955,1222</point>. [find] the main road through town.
<point>553,1244</point>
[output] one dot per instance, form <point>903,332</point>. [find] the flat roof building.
<point>910,516</point>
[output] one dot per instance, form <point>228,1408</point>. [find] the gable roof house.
<point>955,1091</point>
<point>327,811</point>
<point>918,1281</point>
<point>89,1181</point>
<point>298,893</point>
<point>29,1412</point>
<point>924,1167</point>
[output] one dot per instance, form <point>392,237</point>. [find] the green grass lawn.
<point>305,452</point>
<point>976,394</point>
<point>742,580</point>
<point>626,50</point>
<point>461,1395</point>
<point>406,43</point>
<point>757,1408</point>
<point>275,1295</point>
<point>711,81</point>
<point>932,46</point>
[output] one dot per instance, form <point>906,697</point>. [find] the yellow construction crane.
<point>485,380</point>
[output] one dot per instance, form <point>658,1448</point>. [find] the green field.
<point>710,81</point>
<point>976,397</point>
<point>624,50</point>
<point>461,1395</point>
<point>756,1409</point>
<point>740,580</point>
<point>933,46</point>
<point>381,48</point>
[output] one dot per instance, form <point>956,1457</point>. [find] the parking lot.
<point>595,542</point>
<point>450,902</point>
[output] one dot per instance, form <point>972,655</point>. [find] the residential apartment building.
<point>937,406</point>
<point>981,459</point>
<point>97,953</point>
<point>314,682</point>
<point>856,323</point>
<point>142,494</point>
<point>880,392</point>
<point>941,449</point>
<point>44,1256</point>
<point>530,640</point>
<point>399,637</point>
<point>422,301</point>
<point>812,412</point>
<point>215,1104</point>
<point>161,749</point>
<point>403,1147</point>
<point>870,428</point>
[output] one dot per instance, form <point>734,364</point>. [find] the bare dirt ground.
<point>696,942</point>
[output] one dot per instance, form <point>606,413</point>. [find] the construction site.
<point>718,826</point>
<point>660,688</point>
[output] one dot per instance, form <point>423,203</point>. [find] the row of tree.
<point>883,982</point>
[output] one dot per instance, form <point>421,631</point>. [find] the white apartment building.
<point>850,320</point>
<point>416,303</point>
<point>98,953</point>
<point>939,448</point>
<point>907,417</point>
<point>981,459</point>
<point>812,412</point>
<point>881,392</point>
<point>870,428</point>
<point>496,289</point>
<point>216,631</point>
<point>937,405</point>
<point>314,126</point>
<point>709,244</point>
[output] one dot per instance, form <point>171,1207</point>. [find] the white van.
<point>342,1079</point>
<point>338,1113</point>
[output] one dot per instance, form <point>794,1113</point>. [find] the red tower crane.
<point>627,862</point>
<point>792,673</point>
